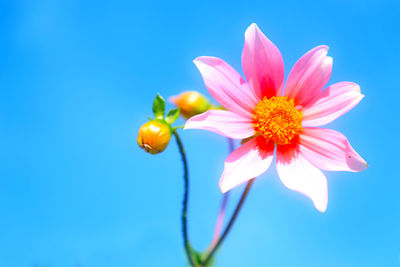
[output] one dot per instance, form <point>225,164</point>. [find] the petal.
<point>309,75</point>
<point>332,103</point>
<point>298,174</point>
<point>223,122</point>
<point>248,161</point>
<point>262,63</point>
<point>226,85</point>
<point>329,150</point>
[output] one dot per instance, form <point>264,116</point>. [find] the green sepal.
<point>159,107</point>
<point>199,257</point>
<point>211,262</point>
<point>172,115</point>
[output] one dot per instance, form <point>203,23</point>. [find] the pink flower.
<point>261,112</point>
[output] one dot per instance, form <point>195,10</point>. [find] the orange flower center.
<point>277,119</point>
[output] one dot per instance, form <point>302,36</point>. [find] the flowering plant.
<point>267,117</point>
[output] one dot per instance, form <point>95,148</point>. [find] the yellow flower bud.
<point>191,103</point>
<point>154,136</point>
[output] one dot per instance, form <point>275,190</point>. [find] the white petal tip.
<point>365,166</point>
<point>324,47</point>
<point>223,188</point>
<point>322,210</point>
<point>252,29</point>
<point>201,59</point>
<point>253,25</point>
<point>197,59</point>
<point>321,207</point>
<point>187,125</point>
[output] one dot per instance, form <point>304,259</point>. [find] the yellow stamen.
<point>277,119</point>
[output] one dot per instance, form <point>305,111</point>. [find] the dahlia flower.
<point>269,117</point>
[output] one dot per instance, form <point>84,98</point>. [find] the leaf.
<point>159,107</point>
<point>172,116</point>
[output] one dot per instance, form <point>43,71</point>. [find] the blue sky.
<point>77,79</point>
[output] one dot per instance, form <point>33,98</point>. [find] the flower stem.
<point>230,223</point>
<point>221,214</point>
<point>185,199</point>
<point>220,220</point>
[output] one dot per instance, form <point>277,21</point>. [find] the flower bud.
<point>191,103</point>
<point>154,136</point>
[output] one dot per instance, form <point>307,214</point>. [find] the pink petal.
<point>223,122</point>
<point>262,63</point>
<point>298,174</point>
<point>332,103</point>
<point>226,85</point>
<point>248,161</point>
<point>309,75</point>
<point>329,150</point>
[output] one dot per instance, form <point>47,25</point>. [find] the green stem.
<point>178,127</point>
<point>185,199</point>
<point>230,223</point>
